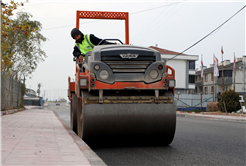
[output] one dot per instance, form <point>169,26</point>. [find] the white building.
<point>30,93</point>
<point>184,66</point>
<point>210,86</point>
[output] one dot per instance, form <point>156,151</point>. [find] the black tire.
<point>79,120</point>
<point>71,114</point>
<point>74,113</point>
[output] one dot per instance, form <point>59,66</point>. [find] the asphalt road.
<point>196,142</point>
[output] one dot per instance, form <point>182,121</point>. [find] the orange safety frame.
<point>105,15</point>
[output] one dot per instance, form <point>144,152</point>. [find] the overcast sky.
<point>171,25</point>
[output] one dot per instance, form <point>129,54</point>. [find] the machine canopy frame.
<point>105,15</point>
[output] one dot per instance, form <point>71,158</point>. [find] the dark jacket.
<point>94,40</point>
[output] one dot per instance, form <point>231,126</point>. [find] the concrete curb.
<point>224,114</point>
<point>212,113</point>
<point>7,112</point>
<point>91,156</point>
<point>228,118</point>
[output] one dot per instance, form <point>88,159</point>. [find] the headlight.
<point>171,83</point>
<point>83,82</point>
<point>153,74</point>
<point>96,67</point>
<point>104,74</point>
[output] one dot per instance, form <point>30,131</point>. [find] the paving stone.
<point>37,137</point>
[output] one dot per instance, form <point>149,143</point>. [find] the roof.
<point>164,51</point>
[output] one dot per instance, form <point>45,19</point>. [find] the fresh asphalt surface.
<point>196,142</point>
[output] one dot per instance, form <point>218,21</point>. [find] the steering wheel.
<point>110,39</point>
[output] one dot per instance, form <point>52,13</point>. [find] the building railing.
<point>227,80</point>
<point>198,84</point>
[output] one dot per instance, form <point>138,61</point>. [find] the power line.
<point>130,14</point>
<point>153,26</point>
<point>154,8</point>
<point>208,34</point>
<point>149,27</point>
<point>68,25</point>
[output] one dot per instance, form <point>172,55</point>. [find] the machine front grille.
<point>128,65</point>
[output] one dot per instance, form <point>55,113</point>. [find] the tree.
<point>26,45</point>
<point>18,56</point>
<point>231,100</point>
<point>21,42</point>
<point>5,28</point>
<point>6,12</point>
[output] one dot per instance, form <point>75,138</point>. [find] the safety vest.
<point>86,45</point>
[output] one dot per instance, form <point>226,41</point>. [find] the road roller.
<point>122,92</point>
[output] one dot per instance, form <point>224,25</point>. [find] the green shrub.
<point>231,99</point>
<point>196,110</point>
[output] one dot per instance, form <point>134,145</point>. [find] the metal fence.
<point>10,92</point>
<point>189,101</point>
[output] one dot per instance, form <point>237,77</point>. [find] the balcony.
<point>227,80</point>
<point>198,84</point>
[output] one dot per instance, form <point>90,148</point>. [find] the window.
<point>206,78</point>
<point>206,90</point>
<point>212,89</point>
<point>192,65</point>
<point>191,79</point>
<point>212,77</point>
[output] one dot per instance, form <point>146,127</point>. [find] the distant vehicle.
<point>57,103</point>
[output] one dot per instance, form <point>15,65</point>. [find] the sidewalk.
<point>38,137</point>
<point>216,116</point>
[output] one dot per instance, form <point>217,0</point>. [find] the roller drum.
<point>129,122</point>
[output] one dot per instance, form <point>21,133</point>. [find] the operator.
<point>84,43</point>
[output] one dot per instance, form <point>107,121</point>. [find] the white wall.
<point>192,72</point>
<point>180,72</point>
<point>191,86</point>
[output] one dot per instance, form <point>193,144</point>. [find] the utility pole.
<point>201,80</point>
<point>201,91</point>
<point>222,52</point>
<point>244,75</point>
<point>234,71</point>
<point>38,91</point>
<point>213,78</point>
<point>30,95</point>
